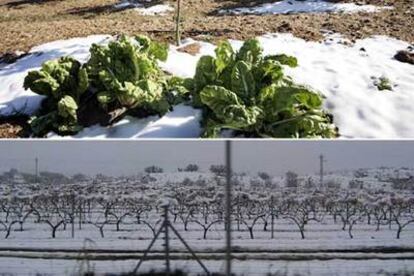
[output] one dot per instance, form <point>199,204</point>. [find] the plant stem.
<point>177,24</point>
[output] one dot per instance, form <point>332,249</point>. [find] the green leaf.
<point>205,75</point>
<point>228,107</point>
<point>40,126</point>
<point>250,52</point>
<point>242,81</point>
<point>130,95</point>
<point>267,72</point>
<point>159,51</point>
<point>283,59</point>
<point>224,56</point>
<point>275,99</point>
<point>105,97</point>
<point>212,129</point>
<point>67,108</point>
<point>58,78</point>
<point>153,49</point>
<point>83,81</point>
<point>205,72</point>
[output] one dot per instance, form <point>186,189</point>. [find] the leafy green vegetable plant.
<point>125,74</point>
<point>63,82</point>
<point>243,91</point>
<point>383,83</point>
<point>122,75</point>
<point>247,92</point>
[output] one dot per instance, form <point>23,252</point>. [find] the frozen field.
<point>327,250</point>
<point>346,231</point>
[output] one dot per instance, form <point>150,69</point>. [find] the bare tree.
<point>402,212</point>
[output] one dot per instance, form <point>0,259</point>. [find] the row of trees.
<point>204,208</point>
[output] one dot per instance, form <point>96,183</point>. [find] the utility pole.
<point>37,168</point>
<point>321,161</point>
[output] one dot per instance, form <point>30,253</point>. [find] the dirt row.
<point>26,23</point>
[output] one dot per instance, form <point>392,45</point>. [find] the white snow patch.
<point>154,10</point>
<point>159,9</point>
<point>182,122</point>
<point>345,75</point>
<point>183,64</point>
<point>308,6</point>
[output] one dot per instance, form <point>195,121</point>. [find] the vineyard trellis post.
<point>228,207</point>
<point>167,244</point>
<point>72,199</point>
<point>165,226</point>
<point>272,216</point>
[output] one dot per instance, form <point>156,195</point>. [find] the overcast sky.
<point>131,157</point>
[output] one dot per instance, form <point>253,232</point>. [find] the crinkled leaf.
<point>67,108</point>
<point>205,75</point>
<point>284,59</point>
<point>267,72</point>
<point>309,124</point>
<point>130,95</point>
<point>242,81</point>
<point>228,107</point>
<point>43,124</point>
<point>105,97</point>
<point>275,99</point>
<point>224,56</point>
<point>57,78</point>
<point>250,52</point>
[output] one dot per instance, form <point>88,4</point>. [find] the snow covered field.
<point>298,6</point>
<point>127,209</point>
<point>28,266</point>
<point>345,73</point>
<point>136,238</point>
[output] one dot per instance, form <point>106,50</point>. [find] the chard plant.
<point>249,93</point>
<point>243,91</point>
<point>63,82</point>
<point>121,78</point>
<point>125,74</point>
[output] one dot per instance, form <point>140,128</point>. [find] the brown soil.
<point>14,127</point>
<point>192,49</point>
<point>26,23</point>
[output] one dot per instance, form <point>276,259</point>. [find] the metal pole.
<point>147,251</point>
<point>166,244</point>
<point>272,217</point>
<point>189,249</point>
<point>228,207</point>
<point>73,215</point>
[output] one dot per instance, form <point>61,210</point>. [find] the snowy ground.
<point>159,9</point>
<point>28,266</point>
<point>134,237</point>
<point>345,73</point>
<point>300,6</point>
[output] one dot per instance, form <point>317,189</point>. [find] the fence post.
<point>228,207</point>
<point>167,241</point>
